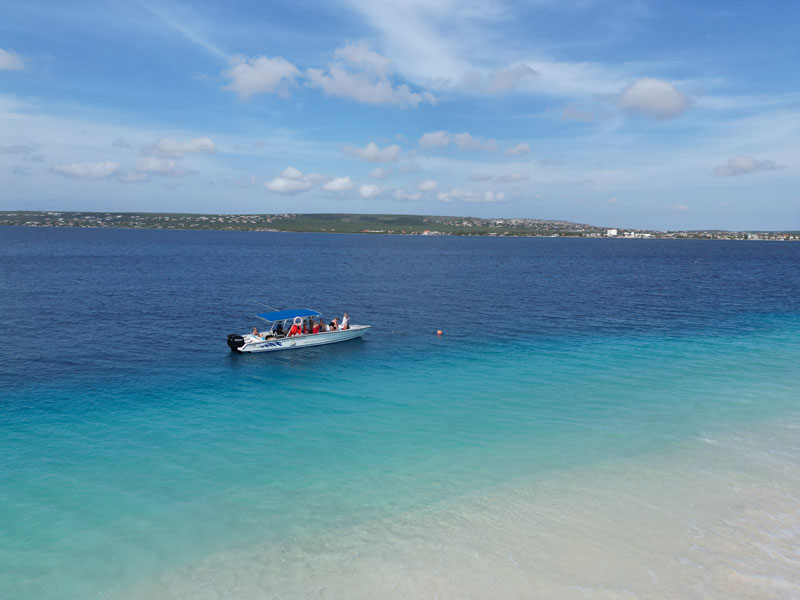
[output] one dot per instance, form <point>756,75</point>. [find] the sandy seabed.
<point>715,517</point>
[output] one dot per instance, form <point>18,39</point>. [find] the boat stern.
<point>235,342</point>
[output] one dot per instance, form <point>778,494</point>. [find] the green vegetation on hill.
<point>360,223</point>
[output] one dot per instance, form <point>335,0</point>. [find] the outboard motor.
<point>235,341</point>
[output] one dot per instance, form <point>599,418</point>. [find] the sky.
<point>619,113</point>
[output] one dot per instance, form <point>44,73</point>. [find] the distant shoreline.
<point>424,225</point>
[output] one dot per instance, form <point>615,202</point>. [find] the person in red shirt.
<point>295,330</point>
<point>315,328</point>
<point>305,327</point>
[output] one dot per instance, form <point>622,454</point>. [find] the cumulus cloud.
<point>471,196</point>
<point>379,173</point>
<point>427,185</point>
<point>339,184</point>
<point>654,98</point>
<point>10,61</point>
<point>464,141</point>
<point>369,191</point>
<point>358,73</point>
<point>169,148</point>
<point>742,165</point>
<point>155,164</point>
<point>518,150</point>
<point>374,153</point>
<point>400,194</point>
<point>511,178</point>
<point>435,139</point>
<point>86,170</point>
<point>292,181</point>
<point>259,75</point>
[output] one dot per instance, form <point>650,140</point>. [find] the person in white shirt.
<point>345,322</point>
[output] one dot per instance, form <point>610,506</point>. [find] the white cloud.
<point>679,207</point>
<point>480,177</point>
<point>169,148</point>
<point>369,191</point>
<point>464,141</point>
<point>291,173</point>
<point>503,80</point>
<point>154,164</point>
<point>10,61</point>
<point>511,178</point>
<point>518,150</point>
<point>463,195</point>
<point>360,55</point>
<point>262,74</point>
<point>132,177</point>
<point>360,74</point>
<point>287,186</point>
<point>379,173</point>
<point>98,170</point>
<point>339,184</point>
<point>292,181</point>
<point>742,165</point>
<point>427,185</point>
<point>374,153</point>
<point>435,139</point>
<point>654,98</point>
<point>401,194</point>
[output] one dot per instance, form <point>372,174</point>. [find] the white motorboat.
<point>277,338</point>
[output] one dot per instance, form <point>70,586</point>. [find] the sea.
<point>599,419</point>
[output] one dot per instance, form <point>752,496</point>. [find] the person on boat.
<point>345,322</point>
<point>333,325</point>
<point>255,332</point>
<point>315,327</point>
<point>295,330</point>
<point>305,326</point>
<point>278,331</point>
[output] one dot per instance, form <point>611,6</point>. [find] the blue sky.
<point>667,115</point>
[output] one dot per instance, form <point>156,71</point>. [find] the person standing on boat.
<point>345,322</point>
<point>295,330</point>
<point>315,327</point>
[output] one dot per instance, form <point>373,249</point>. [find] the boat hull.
<point>252,343</point>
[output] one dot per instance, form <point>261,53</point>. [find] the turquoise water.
<point>125,460</point>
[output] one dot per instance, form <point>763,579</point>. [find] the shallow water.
<point>601,418</point>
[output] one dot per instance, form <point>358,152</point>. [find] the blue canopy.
<point>283,315</point>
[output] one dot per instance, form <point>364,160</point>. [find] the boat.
<point>280,322</point>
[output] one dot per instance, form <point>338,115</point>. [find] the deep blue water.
<point>132,439</point>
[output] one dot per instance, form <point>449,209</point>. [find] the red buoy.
<point>438,332</point>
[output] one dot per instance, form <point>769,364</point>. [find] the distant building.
<point>611,233</point>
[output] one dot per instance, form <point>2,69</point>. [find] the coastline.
<point>413,234</point>
<point>423,225</point>
<point>712,517</point>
